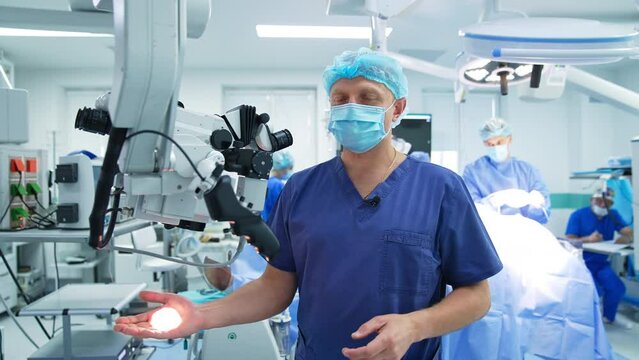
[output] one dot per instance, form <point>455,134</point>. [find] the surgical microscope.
<point>176,167</point>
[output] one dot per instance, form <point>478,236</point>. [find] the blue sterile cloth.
<point>544,302</point>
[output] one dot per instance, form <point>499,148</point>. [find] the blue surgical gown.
<point>274,187</point>
<point>357,259</point>
<point>484,176</point>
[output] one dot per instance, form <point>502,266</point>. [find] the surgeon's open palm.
<point>140,325</point>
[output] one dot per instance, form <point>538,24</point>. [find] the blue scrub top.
<point>274,187</point>
<point>584,222</point>
<point>355,260</point>
<point>485,176</point>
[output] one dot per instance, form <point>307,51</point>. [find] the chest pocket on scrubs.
<point>407,262</point>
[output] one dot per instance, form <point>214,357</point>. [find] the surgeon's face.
<point>601,202</point>
<point>498,140</point>
<point>362,91</point>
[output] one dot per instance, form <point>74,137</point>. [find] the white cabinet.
<point>126,270</point>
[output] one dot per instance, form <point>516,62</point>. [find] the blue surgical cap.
<point>494,127</point>
<point>369,64</point>
<point>282,160</point>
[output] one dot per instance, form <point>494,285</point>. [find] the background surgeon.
<point>282,170</point>
<point>595,223</point>
<point>370,238</point>
<point>499,171</point>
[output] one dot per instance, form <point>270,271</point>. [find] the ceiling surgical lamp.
<point>484,73</point>
<point>512,51</point>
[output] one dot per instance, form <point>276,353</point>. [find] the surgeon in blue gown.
<point>500,171</point>
<point>282,170</point>
<point>370,238</point>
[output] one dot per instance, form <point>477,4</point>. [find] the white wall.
<point>50,92</point>
<point>202,91</point>
<point>626,125</point>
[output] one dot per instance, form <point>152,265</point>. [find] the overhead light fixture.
<point>315,32</point>
<point>485,73</point>
<point>523,70</point>
<point>550,41</point>
<point>477,74</point>
<point>495,77</point>
<point>12,32</point>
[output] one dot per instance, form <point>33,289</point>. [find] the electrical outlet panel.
<point>23,186</point>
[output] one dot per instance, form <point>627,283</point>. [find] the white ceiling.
<point>427,29</point>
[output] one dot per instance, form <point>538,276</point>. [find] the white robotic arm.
<point>172,160</point>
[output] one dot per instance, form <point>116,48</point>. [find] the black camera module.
<point>281,139</point>
<point>93,121</point>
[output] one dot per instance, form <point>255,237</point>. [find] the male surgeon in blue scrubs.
<point>595,223</point>
<point>371,238</point>
<point>500,171</point>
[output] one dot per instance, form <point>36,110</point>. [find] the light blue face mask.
<point>357,127</point>
<point>499,153</point>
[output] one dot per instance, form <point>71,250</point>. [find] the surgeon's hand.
<point>594,237</point>
<point>623,239</point>
<point>395,334</point>
<point>188,322</point>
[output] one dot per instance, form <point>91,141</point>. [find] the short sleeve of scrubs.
<point>464,262</point>
<point>573,227</point>
<point>278,224</point>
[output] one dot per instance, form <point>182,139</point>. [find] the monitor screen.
<point>416,130</point>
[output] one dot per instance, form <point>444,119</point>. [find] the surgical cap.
<point>494,127</point>
<point>607,193</point>
<point>282,160</point>
<point>420,156</point>
<point>369,64</point>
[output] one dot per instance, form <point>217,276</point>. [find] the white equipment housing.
<point>247,341</point>
<point>14,116</point>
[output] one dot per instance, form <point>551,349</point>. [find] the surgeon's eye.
<point>370,98</point>
<point>338,100</point>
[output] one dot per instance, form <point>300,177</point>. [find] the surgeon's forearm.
<point>260,299</point>
<point>584,239</point>
<point>461,307</point>
<point>626,236</point>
